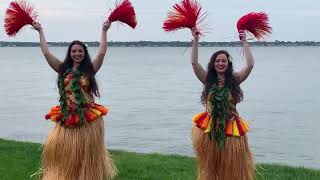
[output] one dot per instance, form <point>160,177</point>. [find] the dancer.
<point>219,134</point>
<point>75,148</point>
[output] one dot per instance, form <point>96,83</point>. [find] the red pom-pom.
<point>124,12</point>
<point>19,14</point>
<point>47,116</point>
<point>185,15</point>
<point>255,23</point>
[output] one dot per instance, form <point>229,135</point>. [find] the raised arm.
<point>245,71</point>
<point>98,60</point>
<point>51,59</point>
<point>197,68</point>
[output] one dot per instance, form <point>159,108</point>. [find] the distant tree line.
<point>165,44</point>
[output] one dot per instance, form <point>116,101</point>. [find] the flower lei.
<point>218,103</point>
<point>75,88</point>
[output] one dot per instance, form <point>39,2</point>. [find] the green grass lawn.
<point>19,160</point>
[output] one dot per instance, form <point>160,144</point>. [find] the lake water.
<point>152,94</point>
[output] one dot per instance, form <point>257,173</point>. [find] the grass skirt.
<point>233,162</point>
<point>77,153</point>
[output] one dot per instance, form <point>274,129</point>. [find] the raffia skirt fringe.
<point>233,162</point>
<point>77,154</point>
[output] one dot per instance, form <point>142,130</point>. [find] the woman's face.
<point>77,53</point>
<point>221,63</point>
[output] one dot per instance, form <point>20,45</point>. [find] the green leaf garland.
<point>218,106</point>
<point>76,89</point>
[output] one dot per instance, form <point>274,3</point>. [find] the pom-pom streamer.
<point>124,12</point>
<point>19,14</point>
<point>256,23</point>
<point>187,14</point>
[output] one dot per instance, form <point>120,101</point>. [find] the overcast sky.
<point>67,20</point>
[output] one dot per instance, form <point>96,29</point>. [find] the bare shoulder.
<point>237,77</point>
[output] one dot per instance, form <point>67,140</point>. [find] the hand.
<point>106,25</point>
<point>242,36</point>
<point>195,33</point>
<point>36,26</point>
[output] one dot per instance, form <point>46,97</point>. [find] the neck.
<point>75,66</point>
<point>221,76</point>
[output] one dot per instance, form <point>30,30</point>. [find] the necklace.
<point>218,106</point>
<point>75,88</point>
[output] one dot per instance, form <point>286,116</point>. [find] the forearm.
<point>43,43</point>
<point>197,68</point>
<point>248,55</point>
<point>97,63</point>
<point>103,44</point>
<point>194,52</point>
<point>246,70</point>
<point>51,59</point>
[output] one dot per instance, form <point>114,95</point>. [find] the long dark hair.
<point>85,67</point>
<point>230,81</point>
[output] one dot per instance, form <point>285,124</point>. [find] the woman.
<point>219,134</point>
<point>75,148</point>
